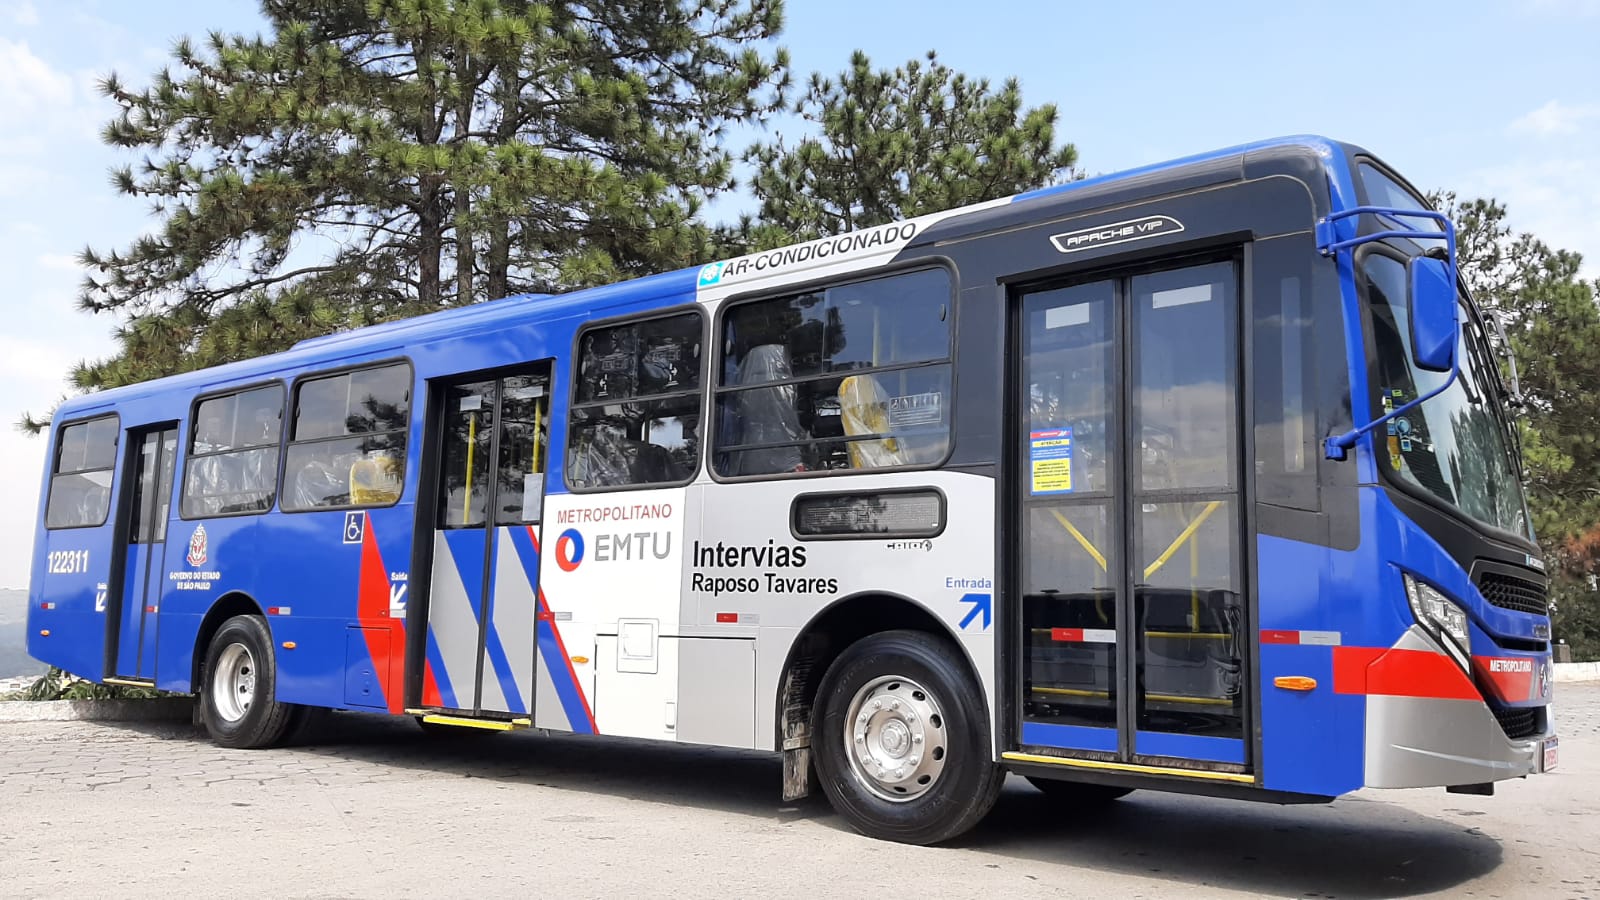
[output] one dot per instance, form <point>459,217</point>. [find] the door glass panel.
<point>1187,599</point>
<point>1185,405</point>
<point>468,429</point>
<point>163,498</point>
<point>1067,368</point>
<point>1069,611</point>
<point>1071,558</point>
<point>1190,615</point>
<point>144,521</point>
<point>524,434</point>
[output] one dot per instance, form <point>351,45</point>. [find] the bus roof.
<point>524,309</point>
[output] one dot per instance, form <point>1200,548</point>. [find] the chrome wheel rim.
<point>233,686</point>
<point>895,738</point>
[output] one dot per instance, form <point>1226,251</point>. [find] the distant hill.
<point>14,659</point>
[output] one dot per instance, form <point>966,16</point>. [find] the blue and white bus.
<point>1193,478</point>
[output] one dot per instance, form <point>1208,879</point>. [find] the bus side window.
<point>232,467</point>
<point>856,376</point>
<point>80,480</point>
<point>636,412</point>
<point>347,441</point>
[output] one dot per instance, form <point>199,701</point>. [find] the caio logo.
<point>569,549</point>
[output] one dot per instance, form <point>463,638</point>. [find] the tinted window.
<point>1185,408</point>
<point>80,480</point>
<point>636,419</point>
<point>856,376</point>
<point>232,467</point>
<point>1457,445</point>
<point>348,444</point>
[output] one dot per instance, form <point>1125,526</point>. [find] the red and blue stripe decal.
<point>552,649</point>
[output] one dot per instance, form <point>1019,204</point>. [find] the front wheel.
<point>901,740</point>
<point>237,703</point>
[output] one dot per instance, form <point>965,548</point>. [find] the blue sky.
<point>1485,98</point>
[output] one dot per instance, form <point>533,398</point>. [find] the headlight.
<point>1443,619</point>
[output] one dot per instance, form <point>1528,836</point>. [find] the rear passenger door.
<point>483,589</point>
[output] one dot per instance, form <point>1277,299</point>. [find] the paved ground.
<point>369,807</point>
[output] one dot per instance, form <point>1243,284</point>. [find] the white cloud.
<point>1552,198</point>
<point>24,14</point>
<point>28,84</point>
<point>62,262</point>
<point>1555,118</point>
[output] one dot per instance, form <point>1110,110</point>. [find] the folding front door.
<point>1126,439</point>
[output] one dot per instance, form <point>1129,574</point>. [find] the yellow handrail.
<point>1083,541</point>
<point>1186,535</point>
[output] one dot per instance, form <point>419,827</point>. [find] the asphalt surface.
<point>370,807</point>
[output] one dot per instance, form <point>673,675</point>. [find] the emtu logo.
<point>569,549</point>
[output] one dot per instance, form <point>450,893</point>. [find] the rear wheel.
<point>237,702</point>
<point>1078,792</point>
<point>901,740</point>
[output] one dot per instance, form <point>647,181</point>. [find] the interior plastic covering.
<point>599,457</point>
<point>768,415</point>
<point>374,480</point>
<point>79,500</point>
<point>864,408</point>
<point>230,482</point>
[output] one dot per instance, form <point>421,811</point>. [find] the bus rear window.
<point>347,447</point>
<point>80,479</point>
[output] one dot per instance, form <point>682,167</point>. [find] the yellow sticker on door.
<point>1050,455</point>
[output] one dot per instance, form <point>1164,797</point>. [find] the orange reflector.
<point>1295,682</point>
<point>44,632</point>
<point>580,660</point>
<point>289,645</point>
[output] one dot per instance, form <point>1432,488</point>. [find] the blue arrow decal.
<point>981,603</point>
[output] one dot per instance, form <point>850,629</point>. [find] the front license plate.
<point>1550,755</point>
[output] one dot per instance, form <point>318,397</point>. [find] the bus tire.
<point>238,702</point>
<point>1078,792</point>
<point>900,738</point>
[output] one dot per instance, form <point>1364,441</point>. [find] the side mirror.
<point>1434,315</point>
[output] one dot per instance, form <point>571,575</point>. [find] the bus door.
<point>1128,570</point>
<point>482,598</point>
<point>152,462</point>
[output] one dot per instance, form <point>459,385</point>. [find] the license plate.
<point>1550,754</point>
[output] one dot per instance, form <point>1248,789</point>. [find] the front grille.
<point>1519,723</point>
<point>1510,592</point>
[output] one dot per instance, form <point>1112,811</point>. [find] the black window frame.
<point>575,382</point>
<point>1401,249</point>
<point>715,389</point>
<point>55,470</point>
<point>186,445</point>
<point>405,431</point>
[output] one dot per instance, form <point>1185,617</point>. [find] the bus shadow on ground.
<point>1352,848</point>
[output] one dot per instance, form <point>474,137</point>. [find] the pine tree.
<point>895,144</point>
<point>369,159</point>
<point>1552,320</point>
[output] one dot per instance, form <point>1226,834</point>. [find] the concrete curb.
<point>163,709</point>
<point>1577,672</point>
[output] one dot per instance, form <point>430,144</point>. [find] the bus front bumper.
<point>1439,742</point>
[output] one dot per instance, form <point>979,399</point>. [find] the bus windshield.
<point>1456,446</point>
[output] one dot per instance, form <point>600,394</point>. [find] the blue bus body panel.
<point>328,597</point>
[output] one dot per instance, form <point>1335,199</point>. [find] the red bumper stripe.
<point>1400,673</point>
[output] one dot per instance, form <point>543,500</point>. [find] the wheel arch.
<point>835,627</point>
<point>233,603</point>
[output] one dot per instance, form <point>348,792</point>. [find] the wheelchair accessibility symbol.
<point>355,527</point>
